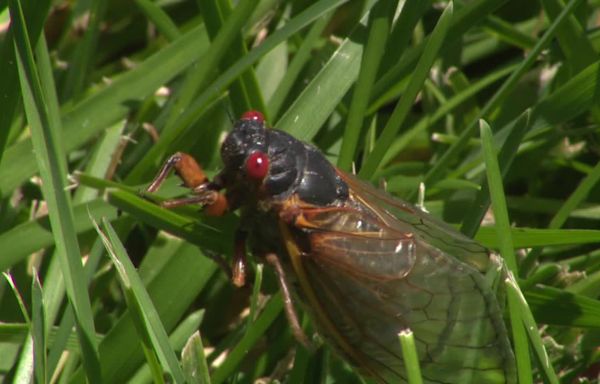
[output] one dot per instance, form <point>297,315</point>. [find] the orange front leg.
<point>186,167</point>
<point>191,173</point>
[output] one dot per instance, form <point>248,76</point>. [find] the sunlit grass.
<point>112,88</point>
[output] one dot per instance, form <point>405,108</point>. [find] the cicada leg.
<point>193,177</point>
<point>288,304</point>
<point>205,193</point>
<point>186,167</point>
<point>213,203</point>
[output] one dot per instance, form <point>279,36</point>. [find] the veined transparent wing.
<point>377,265</point>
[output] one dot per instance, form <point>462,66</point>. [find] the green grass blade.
<point>570,100</point>
<point>256,286</point>
<point>38,330</point>
<point>51,161</point>
<point>107,105</point>
<point>465,17</point>
<point>178,339</point>
<point>590,286</point>
<point>199,78</point>
<point>292,72</point>
<point>380,20</point>
<point>411,357</point>
<point>509,33</point>
<point>579,195</point>
<point>555,306</point>
<point>301,20</point>
<point>188,274</point>
<point>9,86</point>
<point>412,89</point>
<point>54,292</point>
<point>194,361</point>
<point>575,199</point>
<point>25,371</point>
<point>507,250</point>
<point>435,172</point>
<point>8,277</point>
<point>535,237</point>
<point>450,106</point>
<point>319,98</point>
<point>81,63</point>
<point>159,18</point>
<point>20,241</point>
<point>571,37</point>
<point>9,81</point>
<point>402,32</point>
<point>211,236</point>
<point>515,294</point>
<point>273,308</point>
<point>244,93</point>
<point>146,317</point>
<point>505,158</point>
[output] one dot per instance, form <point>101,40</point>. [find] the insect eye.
<point>257,165</point>
<point>253,115</point>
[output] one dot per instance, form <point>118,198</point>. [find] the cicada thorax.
<point>294,168</point>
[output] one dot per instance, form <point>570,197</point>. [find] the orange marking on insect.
<point>218,207</point>
<point>295,257</point>
<point>190,171</point>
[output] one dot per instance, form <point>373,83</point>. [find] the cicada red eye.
<point>253,115</point>
<point>257,165</point>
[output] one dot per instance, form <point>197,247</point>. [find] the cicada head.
<point>245,154</point>
<point>247,139</point>
<point>269,164</point>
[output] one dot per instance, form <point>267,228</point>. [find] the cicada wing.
<point>404,217</point>
<point>372,275</point>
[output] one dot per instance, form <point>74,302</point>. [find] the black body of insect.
<point>366,265</point>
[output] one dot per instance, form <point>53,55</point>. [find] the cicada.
<point>366,264</point>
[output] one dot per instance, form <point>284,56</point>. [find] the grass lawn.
<point>484,112</point>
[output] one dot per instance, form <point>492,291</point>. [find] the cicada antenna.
<point>229,114</point>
